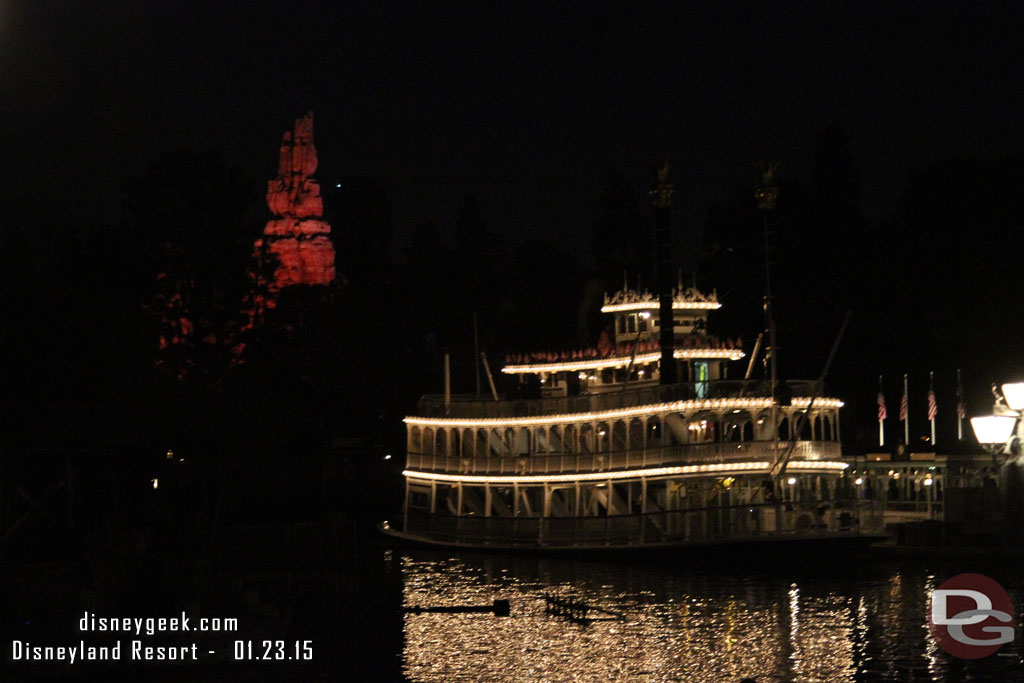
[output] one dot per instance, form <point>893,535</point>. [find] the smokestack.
<point>661,198</point>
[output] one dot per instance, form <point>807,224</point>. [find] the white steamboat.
<point>608,457</point>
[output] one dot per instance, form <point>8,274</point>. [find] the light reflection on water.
<point>678,623</point>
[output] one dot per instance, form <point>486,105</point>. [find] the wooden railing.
<point>559,463</point>
<point>472,406</point>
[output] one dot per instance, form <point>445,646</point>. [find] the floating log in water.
<point>500,608</point>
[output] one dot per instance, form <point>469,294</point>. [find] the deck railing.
<point>472,406</point>
<point>560,463</point>
<point>698,526</point>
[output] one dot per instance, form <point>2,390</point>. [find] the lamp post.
<point>1014,395</point>
<point>993,432</point>
<point>1003,432</point>
<point>997,432</point>
<point>928,482</point>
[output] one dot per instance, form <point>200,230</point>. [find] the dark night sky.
<point>527,105</point>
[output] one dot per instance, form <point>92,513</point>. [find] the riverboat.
<point>592,450</point>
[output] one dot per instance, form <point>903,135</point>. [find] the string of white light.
<point>712,468</point>
<point>622,361</point>
<point>689,406</point>
<point>652,304</point>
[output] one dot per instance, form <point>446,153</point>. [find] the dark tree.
<point>191,216</point>
<point>360,213</point>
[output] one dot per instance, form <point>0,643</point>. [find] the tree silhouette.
<point>189,213</point>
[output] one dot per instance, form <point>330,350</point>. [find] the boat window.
<point>447,499</point>
<point>522,444</point>
<point>540,440</point>
<point>783,430</point>
<point>569,440</point>
<point>419,499</point>
<point>654,432</point>
<point>603,437</point>
<point>804,423</point>
<point>700,379</point>
<point>734,433</point>
<point>636,433</point>
<point>737,426</point>
<point>618,442</point>
<point>702,431</point>
<point>555,442</point>
<point>586,439</point>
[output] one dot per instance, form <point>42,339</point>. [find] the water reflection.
<point>677,624</point>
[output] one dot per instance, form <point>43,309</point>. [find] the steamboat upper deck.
<point>641,428</point>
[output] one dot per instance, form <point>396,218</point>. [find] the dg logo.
<point>971,616</point>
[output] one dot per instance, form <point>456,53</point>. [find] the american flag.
<point>933,408</point>
<point>882,414</point>
<point>903,407</point>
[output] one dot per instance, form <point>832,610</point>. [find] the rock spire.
<point>297,234</point>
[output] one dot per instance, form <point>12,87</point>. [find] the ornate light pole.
<point>661,198</point>
<point>999,432</point>
<point>1003,432</point>
<point>766,195</point>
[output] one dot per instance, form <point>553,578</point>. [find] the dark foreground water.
<point>696,617</point>
<point>668,620</point>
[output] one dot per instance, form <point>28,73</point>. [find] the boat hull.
<point>853,539</point>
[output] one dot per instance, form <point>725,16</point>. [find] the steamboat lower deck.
<point>630,470</point>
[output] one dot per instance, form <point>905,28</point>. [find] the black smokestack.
<point>661,198</point>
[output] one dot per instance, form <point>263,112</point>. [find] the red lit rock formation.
<point>297,235</point>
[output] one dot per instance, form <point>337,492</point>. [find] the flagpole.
<point>881,414</point>
<point>959,407</point>
<point>931,403</point>
<point>905,407</point>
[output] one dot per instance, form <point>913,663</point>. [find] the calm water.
<point>814,618</point>
<point>841,621</point>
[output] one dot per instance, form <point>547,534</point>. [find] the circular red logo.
<point>971,616</point>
